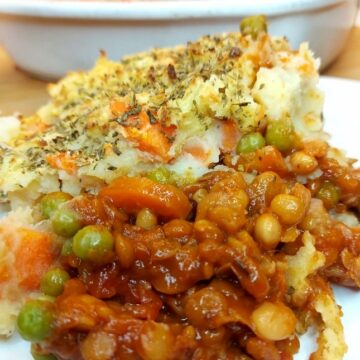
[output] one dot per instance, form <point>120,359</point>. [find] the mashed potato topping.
<point>192,102</point>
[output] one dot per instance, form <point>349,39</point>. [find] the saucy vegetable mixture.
<point>230,267</point>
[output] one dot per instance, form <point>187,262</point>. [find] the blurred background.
<point>41,40</point>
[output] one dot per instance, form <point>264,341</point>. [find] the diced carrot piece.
<point>169,130</point>
<point>151,141</point>
<point>63,161</point>
<point>150,138</point>
<point>33,257</point>
<point>197,151</point>
<point>133,194</point>
<point>118,107</point>
<point>230,135</point>
<point>4,273</point>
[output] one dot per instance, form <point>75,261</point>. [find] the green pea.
<point>250,142</point>
<point>329,194</point>
<point>35,320</point>
<point>50,203</point>
<point>52,282</point>
<point>94,243</point>
<point>280,134</point>
<point>65,222</point>
<point>254,25</point>
<point>161,175</point>
<point>67,248</point>
<point>38,356</point>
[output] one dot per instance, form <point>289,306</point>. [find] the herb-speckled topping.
<point>124,117</point>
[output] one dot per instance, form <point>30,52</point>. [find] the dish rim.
<point>157,9</point>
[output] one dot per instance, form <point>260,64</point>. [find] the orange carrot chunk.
<point>63,161</point>
<point>151,138</point>
<point>118,107</point>
<point>133,194</point>
<point>33,257</point>
<point>230,135</point>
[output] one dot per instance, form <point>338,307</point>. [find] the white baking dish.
<point>48,38</point>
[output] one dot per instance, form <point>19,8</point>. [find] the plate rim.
<point>158,9</point>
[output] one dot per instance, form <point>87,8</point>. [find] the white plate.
<point>71,33</point>
<point>342,121</point>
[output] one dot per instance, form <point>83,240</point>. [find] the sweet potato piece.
<point>133,194</point>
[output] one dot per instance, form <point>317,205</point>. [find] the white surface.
<point>48,38</point>
<point>342,121</point>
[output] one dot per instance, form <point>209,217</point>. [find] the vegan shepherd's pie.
<point>183,203</point>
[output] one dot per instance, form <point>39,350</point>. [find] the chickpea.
<point>205,308</point>
<point>303,163</point>
<point>261,349</point>
<point>98,346</point>
<point>302,193</point>
<point>189,333</point>
<point>211,337</point>
<point>273,321</point>
<point>241,198</point>
<point>124,251</point>
<point>227,210</point>
<point>155,341</point>
<point>229,219</point>
<point>268,230</point>
<point>316,148</point>
<point>178,228</point>
<point>289,208</point>
<point>205,230</point>
<point>146,219</point>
